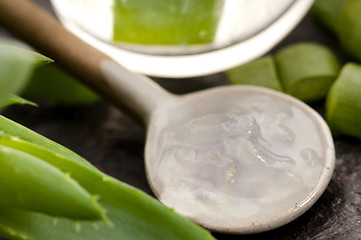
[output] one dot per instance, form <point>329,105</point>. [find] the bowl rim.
<point>184,66</point>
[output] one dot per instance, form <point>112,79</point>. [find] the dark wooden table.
<point>114,143</point>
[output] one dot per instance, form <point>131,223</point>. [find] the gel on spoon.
<point>233,159</point>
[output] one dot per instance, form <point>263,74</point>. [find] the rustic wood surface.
<point>115,144</point>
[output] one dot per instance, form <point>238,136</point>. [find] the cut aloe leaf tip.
<point>260,72</point>
<point>307,70</point>
<point>327,12</point>
<point>343,105</point>
<point>349,27</point>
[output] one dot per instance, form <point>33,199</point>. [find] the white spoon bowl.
<point>168,116</point>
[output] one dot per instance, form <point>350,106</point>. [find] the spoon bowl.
<point>236,159</point>
<point>214,207</point>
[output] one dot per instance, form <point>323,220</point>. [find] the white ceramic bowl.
<point>265,36</point>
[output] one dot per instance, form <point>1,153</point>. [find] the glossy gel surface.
<point>242,162</point>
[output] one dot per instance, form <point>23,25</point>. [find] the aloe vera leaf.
<point>14,129</point>
<point>343,104</point>
<point>14,99</point>
<point>307,70</point>
<point>50,83</point>
<point>349,28</point>
<point>28,225</point>
<point>28,183</point>
<point>16,66</point>
<point>134,214</point>
<point>327,12</point>
<point>172,22</point>
<point>260,72</point>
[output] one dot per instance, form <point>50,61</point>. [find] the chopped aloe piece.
<point>343,105</point>
<point>50,83</point>
<point>327,12</point>
<point>260,72</point>
<point>307,70</point>
<point>132,213</point>
<point>349,27</point>
<point>172,22</point>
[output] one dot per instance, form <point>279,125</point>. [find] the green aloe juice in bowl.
<point>159,22</point>
<point>181,38</point>
<point>172,27</point>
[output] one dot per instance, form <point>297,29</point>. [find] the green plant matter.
<point>327,12</point>
<point>349,28</point>
<point>260,72</point>
<point>14,99</point>
<point>304,70</point>
<point>50,83</point>
<point>307,70</point>
<point>343,18</point>
<point>28,183</point>
<point>16,66</point>
<point>172,22</point>
<point>343,105</point>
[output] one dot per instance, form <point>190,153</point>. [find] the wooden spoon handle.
<point>42,31</point>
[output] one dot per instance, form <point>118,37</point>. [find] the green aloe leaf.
<point>50,83</point>
<point>13,129</point>
<point>172,22</point>
<point>14,99</point>
<point>16,66</point>
<point>133,214</point>
<point>28,183</point>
